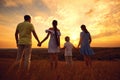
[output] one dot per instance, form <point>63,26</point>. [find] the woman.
<point>85,50</point>
<point>54,43</point>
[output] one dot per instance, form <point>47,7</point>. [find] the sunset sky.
<point>102,18</point>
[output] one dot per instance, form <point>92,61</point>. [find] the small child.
<point>68,46</point>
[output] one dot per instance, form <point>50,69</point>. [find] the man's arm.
<point>16,36</point>
<point>35,35</point>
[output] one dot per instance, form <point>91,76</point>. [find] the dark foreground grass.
<point>40,70</point>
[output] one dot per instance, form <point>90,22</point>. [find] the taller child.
<point>54,43</point>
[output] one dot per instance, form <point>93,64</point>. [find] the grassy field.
<point>41,53</point>
<point>106,66</point>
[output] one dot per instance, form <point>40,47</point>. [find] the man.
<point>23,38</point>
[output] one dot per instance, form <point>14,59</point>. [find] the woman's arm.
<point>90,39</point>
<point>79,43</point>
<point>80,40</point>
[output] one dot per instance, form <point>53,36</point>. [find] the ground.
<point>40,70</point>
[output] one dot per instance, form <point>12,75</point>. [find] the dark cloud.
<point>41,6</point>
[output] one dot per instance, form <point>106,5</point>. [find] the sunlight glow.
<point>101,17</point>
<point>74,36</point>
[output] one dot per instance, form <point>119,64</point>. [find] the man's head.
<point>27,18</point>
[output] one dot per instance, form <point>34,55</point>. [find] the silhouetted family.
<point>23,36</point>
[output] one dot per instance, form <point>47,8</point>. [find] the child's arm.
<point>64,47</point>
<point>45,38</point>
<point>74,47</point>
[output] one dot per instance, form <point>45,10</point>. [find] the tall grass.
<point>40,70</point>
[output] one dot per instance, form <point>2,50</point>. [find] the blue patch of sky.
<point>11,11</point>
<point>8,14</point>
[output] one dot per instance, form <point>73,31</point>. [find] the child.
<point>85,50</point>
<point>68,46</point>
<point>54,44</point>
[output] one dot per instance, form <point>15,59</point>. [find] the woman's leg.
<point>89,61</point>
<point>86,60</point>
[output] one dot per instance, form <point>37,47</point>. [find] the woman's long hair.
<point>83,27</point>
<point>54,23</point>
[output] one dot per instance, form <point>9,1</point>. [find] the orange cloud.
<point>15,3</point>
<point>100,16</point>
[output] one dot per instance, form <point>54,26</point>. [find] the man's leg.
<point>27,57</point>
<point>18,61</point>
<point>20,54</point>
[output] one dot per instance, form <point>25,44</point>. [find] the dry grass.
<point>106,66</point>
<point>40,70</point>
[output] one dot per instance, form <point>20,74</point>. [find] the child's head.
<point>67,38</point>
<point>54,23</point>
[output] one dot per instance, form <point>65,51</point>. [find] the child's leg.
<point>55,60</point>
<point>66,59</point>
<point>70,60</point>
<point>51,60</point>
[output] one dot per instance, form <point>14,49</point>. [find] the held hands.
<point>17,43</point>
<point>39,44</point>
<point>78,47</point>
